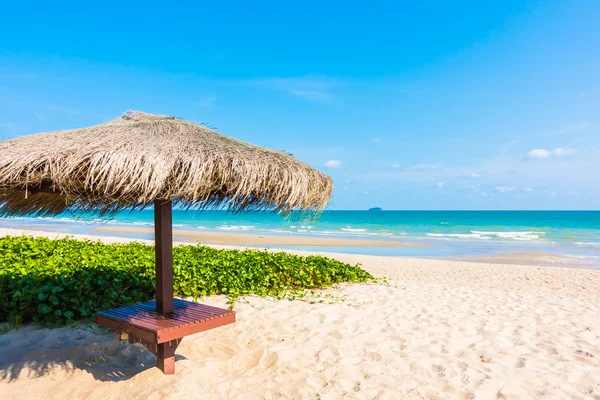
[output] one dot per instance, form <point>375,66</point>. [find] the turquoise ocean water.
<point>453,233</point>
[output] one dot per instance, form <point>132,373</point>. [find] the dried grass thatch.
<point>139,158</point>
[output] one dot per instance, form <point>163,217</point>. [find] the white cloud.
<point>564,152</point>
<point>333,164</point>
<point>441,184</point>
<point>504,189</point>
<point>539,153</point>
<point>527,189</point>
<point>395,165</point>
<point>550,193</point>
<point>475,175</point>
<point>483,194</point>
<point>376,140</point>
<point>543,153</point>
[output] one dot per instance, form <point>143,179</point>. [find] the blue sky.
<point>436,105</point>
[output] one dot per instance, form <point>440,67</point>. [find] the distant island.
<point>375,209</point>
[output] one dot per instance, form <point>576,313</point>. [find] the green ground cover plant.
<point>56,281</point>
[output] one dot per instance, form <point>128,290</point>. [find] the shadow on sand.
<point>32,351</point>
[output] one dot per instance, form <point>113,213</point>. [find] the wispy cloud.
<point>567,129</point>
<point>53,108</point>
<point>207,101</point>
<point>527,189</point>
<point>315,89</point>
<point>574,127</point>
<point>564,152</point>
<point>7,130</point>
<point>441,184</point>
<point>505,189</point>
<point>424,167</point>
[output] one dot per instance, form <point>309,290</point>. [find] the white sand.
<point>438,330</point>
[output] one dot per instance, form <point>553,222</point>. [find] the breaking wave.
<point>484,235</point>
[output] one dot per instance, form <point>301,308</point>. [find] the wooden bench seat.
<point>161,334</point>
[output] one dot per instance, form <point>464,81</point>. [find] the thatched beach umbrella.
<point>141,159</point>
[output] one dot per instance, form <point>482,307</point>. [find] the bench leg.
<point>165,357</point>
<point>164,352</point>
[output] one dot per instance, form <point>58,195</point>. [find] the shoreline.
<point>250,239</point>
<point>240,233</point>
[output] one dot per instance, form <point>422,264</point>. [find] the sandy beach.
<point>437,329</point>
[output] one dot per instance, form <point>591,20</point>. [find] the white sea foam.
<point>278,231</point>
<point>483,235</point>
<point>353,230</point>
<point>588,244</point>
<point>530,235</point>
<point>235,227</point>
<point>357,233</point>
<point>457,236</point>
<point>138,223</point>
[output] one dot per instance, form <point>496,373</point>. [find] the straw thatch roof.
<point>139,158</point>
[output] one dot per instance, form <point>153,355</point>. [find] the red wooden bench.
<point>162,333</point>
<point>161,324</point>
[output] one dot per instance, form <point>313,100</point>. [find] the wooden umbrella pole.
<point>163,244</point>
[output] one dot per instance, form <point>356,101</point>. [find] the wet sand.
<point>246,239</point>
<point>533,258</point>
